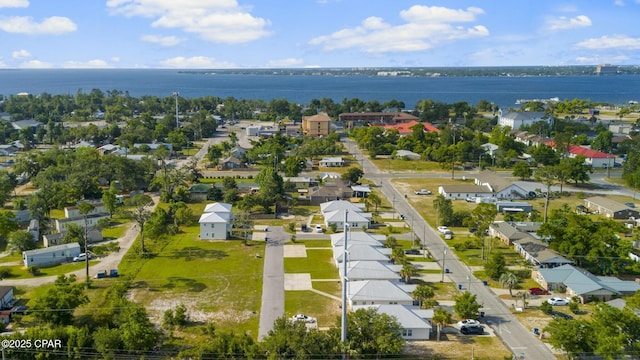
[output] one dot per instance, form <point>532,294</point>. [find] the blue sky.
<point>209,34</point>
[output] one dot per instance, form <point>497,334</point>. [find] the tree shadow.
<point>190,284</point>
<point>194,253</point>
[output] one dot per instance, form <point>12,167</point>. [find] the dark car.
<point>538,291</point>
<point>412,252</point>
<point>472,330</point>
<point>19,310</point>
<point>561,315</point>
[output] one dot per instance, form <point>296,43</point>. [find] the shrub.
<point>33,270</point>
<point>546,308</point>
<point>574,307</point>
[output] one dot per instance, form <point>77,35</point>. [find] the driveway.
<point>272,306</point>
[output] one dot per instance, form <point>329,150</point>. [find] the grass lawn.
<point>401,165</point>
<point>114,232</point>
<point>309,303</point>
<point>218,281</point>
<point>20,272</point>
<point>318,263</point>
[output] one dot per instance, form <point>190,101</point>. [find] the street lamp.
<point>444,256</point>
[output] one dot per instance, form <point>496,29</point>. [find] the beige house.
<point>316,125</point>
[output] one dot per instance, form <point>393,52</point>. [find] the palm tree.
<point>422,293</point>
<point>408,271</point>
<point>441,317</point>
<point>374,200</point>
<point>510,280</point>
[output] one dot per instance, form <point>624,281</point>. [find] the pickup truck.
<point>423,192</point>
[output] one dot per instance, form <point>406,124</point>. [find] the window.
<point>407,332</point>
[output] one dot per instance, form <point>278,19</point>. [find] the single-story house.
<point>583,284</point>
<point>302,182</point>
<point>331,162</point>
<point>373,292</point>
<point>461,192</point>
<point>406,154</point>
<point>415,322</point>
<point>513,206</point>
<point>490,149</point>
<point>74,211</point>
<point>508,232</point>
<point>199,192</point>
<point>610,208</point>
<point>330,191</point>
<point>499,186</point>
<point>539,254</point>
<point>356,220</point>
<point>49,256</point>
<point>34,229</point>
<point>6,297</point>
<point>358,252</point>
<point>360,191</point>
<point>371,270</point>
<point>92,220</point>
<point>358,237</point>
<point>26,124</point>
<point>341,205</point>
<point>215,222</point>
<point>237,151</point>
<point>93,234</point>
<point>231,162</point>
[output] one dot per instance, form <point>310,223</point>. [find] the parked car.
<point>538,291</point>
<point>472,330</point>
<point>468,322</point>
<point>558,301</point>
<point>303,317</point>
<point>442,229</point>
<point>423,192</point>
<point>630,204</point>
<point>19,309</point>
<point>412,252</point>
<point>561,315</point>
<point>319,229</point>
<point>304,228</point>
<point>81,257</point>
<point>470,199</point>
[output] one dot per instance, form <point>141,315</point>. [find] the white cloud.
<point>91,64</point>
<point>35,64</point>
<point>565,23</point>
<point>425,27</point>
<point>196,62</point>
<point>26,25</point>
<point>162,40</point>
<point>115,59</point>
<point>289,62</point>
<point>21,54</point>
<point>611,42</point>
<point>14,3</point>
<point>619,2</point>
<point>222,21</point>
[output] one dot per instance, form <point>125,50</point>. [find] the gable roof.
<point>211,218</point>
<point>523,115</point>
<point>471,189</point>
<point>360,252</point>
<point>352,217</point>
<point>376,290</point>
<point>340,205</point>
<point>583,282</point>
<point>606,203</point>
<point>217,207</point>
<point>52,249</point>
<point>358,237</point>
<point>492,180</point>
<point>409,317</point>
<point>322,117</point>
<point>405,127</point>
<point>369,270</point>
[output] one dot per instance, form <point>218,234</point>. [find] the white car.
<point>443,229</point>
<point>423,192</point>
<point>303,317</point>
<point>468,322</point>
<point>558,301</point>
<point>81,257</point>
<point>319,229</point>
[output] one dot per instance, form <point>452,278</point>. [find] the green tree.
<point>441,317</point>
<point>85,208</point>
<point>572,337</point>
<point>603,142</point>
<point>495,266</point>
<point>137,332</point>
<point>509,280</point>
<point>139,212</point>
<point>423,293</point>
<point>466,306</point>
<point>271,187</point>
<point>408,271</point>
<point>353,175</point>
<point>57,304</point>
<point>371,334</point>
<point>292,339</point>
<point>294,165</point>
<point>8,223</point>
<point>522,170</point>
<point>444,210</point>
<point>548,176</point>
<point>482,216</point>
<point>21,241</point>
<point>110,201</point>
<point>8,183</point>
<point>107,341</point>
<point>375,200</point>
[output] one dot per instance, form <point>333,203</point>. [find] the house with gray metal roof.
<point>358,237</point>
<point>358,252</point>
<point>461,192</point>
<point>371,270</point>
<point>610,208</point>
<point>50,256</point>
<point>583,284</point>
<point>415,322</point>
<point>538,253</point>
<point>373,292</point>
<point>500,187</point>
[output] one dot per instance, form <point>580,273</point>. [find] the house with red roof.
<point>405,128</point>
<point>595,158</point>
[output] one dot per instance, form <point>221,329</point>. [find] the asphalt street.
<point>273,280</point>
<point>520,340</point>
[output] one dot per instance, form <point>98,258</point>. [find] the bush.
<point>5,272</point>
<point>546,308</point>
<point>574,307</point>
<point>33,270</point>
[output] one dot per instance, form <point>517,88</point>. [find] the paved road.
<point>273,280</point>
<point>514,335</point>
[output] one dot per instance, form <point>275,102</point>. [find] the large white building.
<point>215,222</point>
<point>50,256</point>
<point>515,120</point>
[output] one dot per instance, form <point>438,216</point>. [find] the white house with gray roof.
<point>515,120</point>
<point>50,256</point>
<point>374,292</point>
<point>583,284</point>
<point>358,237</point>
<point>371,270</point>
<point>415,322</point>
<point>610,208</point>
<point>358,252</point>
<point>215,222</point>
<point>500,187</point>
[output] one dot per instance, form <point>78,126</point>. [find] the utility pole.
<point>344,280</point>
<point>176,95</point>
<point>443,259</point>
